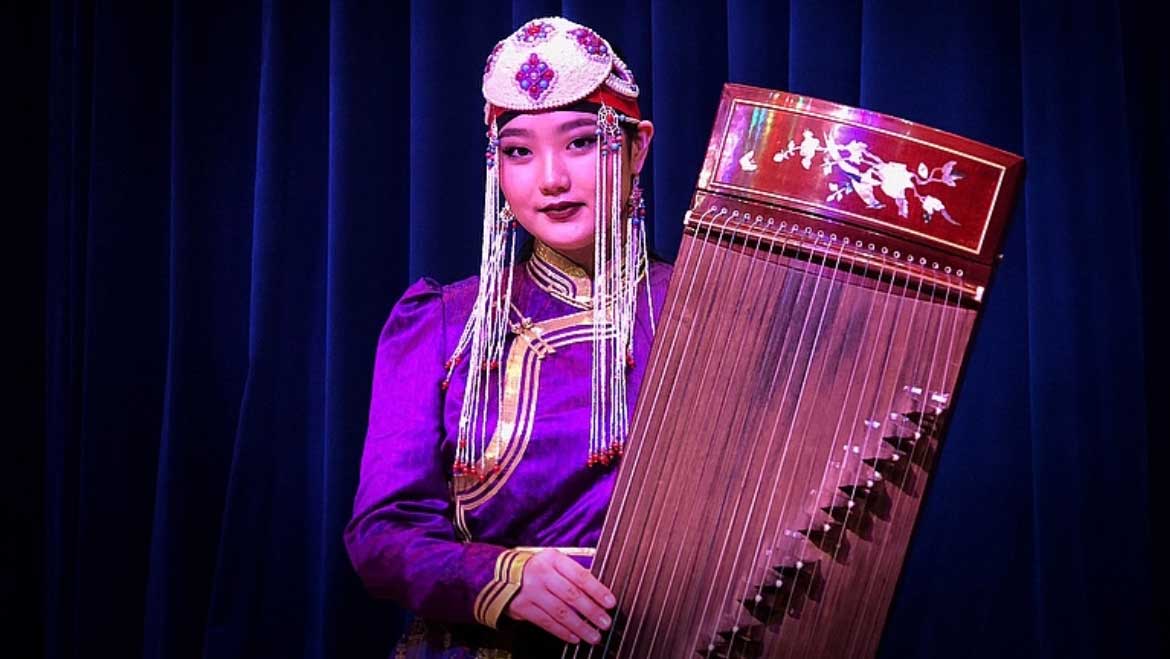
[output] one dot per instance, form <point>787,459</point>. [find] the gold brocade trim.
<point>567,551</point>
<point>427,636</point>
<point>564,280</point>
<point>482,491</point>
<point>515,367</point>
<point>494,483</point>
<point>494,597</point>
<point>565,275</point>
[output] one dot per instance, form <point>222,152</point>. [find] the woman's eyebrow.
<point>517,132</point>
<point>576,123</point>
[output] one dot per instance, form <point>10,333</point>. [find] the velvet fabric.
<point>238,192</point>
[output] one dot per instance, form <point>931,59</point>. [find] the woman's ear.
<point>640,146</point>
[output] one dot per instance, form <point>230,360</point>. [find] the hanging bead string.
<point>614,287</point>
<point>619,260</point>
<point>487,327</point>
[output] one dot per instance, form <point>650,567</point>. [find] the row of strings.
<point>742,357</point>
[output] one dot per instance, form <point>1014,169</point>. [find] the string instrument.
<point>833,266</point>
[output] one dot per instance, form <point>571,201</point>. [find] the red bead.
<point>444,384</point>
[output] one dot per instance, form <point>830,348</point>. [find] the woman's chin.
<point>566,239</point>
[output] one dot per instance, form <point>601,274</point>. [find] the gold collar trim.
<point>558,276</point>
<point>564,280</point>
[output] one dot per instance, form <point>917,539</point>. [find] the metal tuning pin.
<point>894,472</point>
<point>830,538</point>
<point>854,517</point>
<point>872,499</point>
<point>738,642</point>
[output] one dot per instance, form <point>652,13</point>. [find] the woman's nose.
<point>554,177</point>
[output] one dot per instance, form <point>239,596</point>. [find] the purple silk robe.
<point>447,549</point>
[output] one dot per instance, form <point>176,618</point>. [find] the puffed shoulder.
<point>426,310</point>
<point>422,303</point>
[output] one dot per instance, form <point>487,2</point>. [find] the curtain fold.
<point>238,193</point>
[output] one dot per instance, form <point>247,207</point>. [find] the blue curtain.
<point>238,192</point>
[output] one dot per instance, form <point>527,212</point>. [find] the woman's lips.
<point>561,212</point>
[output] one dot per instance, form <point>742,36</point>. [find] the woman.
<point>500,403</point>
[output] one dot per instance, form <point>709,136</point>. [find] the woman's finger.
<point>583,579</point>
<point>546,622</point>
<point>575,597</point>
<point>563,614</point>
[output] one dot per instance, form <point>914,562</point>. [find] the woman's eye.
<point>585,142</point>
<point>515,151</point>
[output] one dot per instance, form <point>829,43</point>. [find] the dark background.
<point>238,192</point>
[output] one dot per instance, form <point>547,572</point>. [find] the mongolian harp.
<point>832,269</point>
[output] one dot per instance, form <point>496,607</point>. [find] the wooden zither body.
<point>832,270</point>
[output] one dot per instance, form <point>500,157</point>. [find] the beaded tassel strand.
<point>486,329</point>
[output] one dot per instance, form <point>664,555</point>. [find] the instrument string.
<point>610,526</point>
<point>924,441</point>
<point>673,310</point>
<point>849,449</point>
<point>712,427</point>
<point>780,291</point>
<point>763,472</point>
<point>850,352</point>
<point>863,617</point>
<point>803,277</point>
<point>659,513</point>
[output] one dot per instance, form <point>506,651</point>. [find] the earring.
<point>637,208</point>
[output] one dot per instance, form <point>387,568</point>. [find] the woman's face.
<point>547,174</point>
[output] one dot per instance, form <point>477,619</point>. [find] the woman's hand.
<point>562,598</point>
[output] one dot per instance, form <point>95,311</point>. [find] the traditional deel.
<point>534,491</point>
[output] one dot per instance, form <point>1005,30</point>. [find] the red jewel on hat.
<point>535,77</point>
<point>534,33</point>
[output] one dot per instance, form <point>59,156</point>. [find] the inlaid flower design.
<point>872,178</point>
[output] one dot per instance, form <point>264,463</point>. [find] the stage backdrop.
<point>239,191</point>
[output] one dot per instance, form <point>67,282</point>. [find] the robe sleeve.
<point>401,539</point>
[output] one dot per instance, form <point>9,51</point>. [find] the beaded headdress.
<point>548,64</point>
